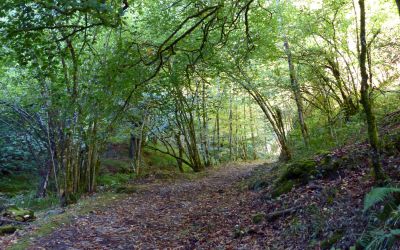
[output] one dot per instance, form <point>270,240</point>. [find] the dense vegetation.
<point>95,93</point>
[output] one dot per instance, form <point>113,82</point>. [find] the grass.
<point>29,201</point>
<point>114,180</point>
<point>20,190</point>
<point>13,184</point>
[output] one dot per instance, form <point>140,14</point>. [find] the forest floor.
<point>207,212</point>
<point>229,207</point>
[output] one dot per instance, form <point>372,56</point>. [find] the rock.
<point>299,170</point>
<point>7,229</point>
<point>19,214</point>
<point>54,212</point>
<point>282,188</point>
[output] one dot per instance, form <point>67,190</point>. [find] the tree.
<point>366,98</point>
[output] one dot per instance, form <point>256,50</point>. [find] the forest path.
<point>189,214</point>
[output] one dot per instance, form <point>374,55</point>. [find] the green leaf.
<point>377,195</point>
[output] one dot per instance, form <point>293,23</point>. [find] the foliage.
<point>377,195</point>
<point>384,229</point>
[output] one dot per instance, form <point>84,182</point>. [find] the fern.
<point>378,195</point>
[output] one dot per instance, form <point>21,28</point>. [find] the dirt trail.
<point>198,214</point>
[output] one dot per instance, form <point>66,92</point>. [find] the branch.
<point>168,153</point>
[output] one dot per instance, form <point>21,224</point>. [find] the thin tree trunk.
<point>243,132</point>
<point>296,91</point>
<point>253,140</point>
<point>294,83</point>
<point>236,130</point>
<point>180,152</point>
<point>218,137</point>
<point>205,126</point>
<point>230,126</point>
<point>138,163</point>
<point>366,100</point>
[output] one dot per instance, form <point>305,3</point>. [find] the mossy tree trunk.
<point>366,100</point>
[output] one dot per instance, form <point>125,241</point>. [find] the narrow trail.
<point>197,214</point>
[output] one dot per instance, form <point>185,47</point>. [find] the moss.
<point>323,152</point>
<point>329,242</point>
<point>282,188</point>
<point>299,170</point>
<point>330,167</point>
<point>257,184</point>
<point>113,180</point>
<point>7,229</point>
<point>330,200</point>
<point>258,218</point>
<point>129,189</point>
<point>19,214</point>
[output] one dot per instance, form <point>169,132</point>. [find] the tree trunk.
<point>236,130</point>
<point>45,174</point>
<point>253,140</point>
<point>230,126</point>
<point>180,152</point>
<point>205,126</point>
<point>132,147</point>
<point>296,91</point>
<point>366,100</point>
<point>398,5</point>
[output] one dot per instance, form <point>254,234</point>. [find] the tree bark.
<point>253,140</point>
<point>296,91</point>
<point>180,152</point>
<point>230,126</point>
<point>205,126</point>
<point>366,100</point>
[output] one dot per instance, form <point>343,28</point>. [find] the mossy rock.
<point>330,164</point>
<point>127,190</point>
<point>282,188</point>
<point>258,218</point>
<point>19,214</point>
<point>299,170</point>
<point>330,167</point>
<point>8,229</point>
<point>257,184</point>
